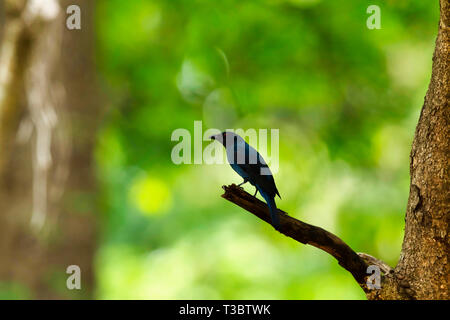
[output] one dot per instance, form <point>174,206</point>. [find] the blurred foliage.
<point>345,98</point>
<point>14,291</point>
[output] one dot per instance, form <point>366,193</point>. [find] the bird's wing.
<point>253,165</point>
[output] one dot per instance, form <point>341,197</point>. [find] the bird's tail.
<point>273,210</point>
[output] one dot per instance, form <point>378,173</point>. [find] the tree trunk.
<point>423,269</point>
<point>48,119</point>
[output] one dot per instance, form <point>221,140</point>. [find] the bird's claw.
<point>244,182</point>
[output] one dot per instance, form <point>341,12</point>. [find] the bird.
<point>250,165</point>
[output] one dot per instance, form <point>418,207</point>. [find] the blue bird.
<point>249,164</point>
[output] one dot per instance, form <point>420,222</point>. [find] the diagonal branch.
<point>370,260</point>
<point>304,233</point>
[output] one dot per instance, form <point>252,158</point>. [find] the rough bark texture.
<point>48,120</point>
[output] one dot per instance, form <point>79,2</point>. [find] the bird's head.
<point>219,137</point>
<point>226,138</point>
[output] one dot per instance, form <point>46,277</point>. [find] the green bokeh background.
<point>346,100</point>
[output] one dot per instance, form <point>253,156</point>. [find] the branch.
<point>304,233</point>
<point>370,260</point>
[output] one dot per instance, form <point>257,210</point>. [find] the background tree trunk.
<point>423,269</point>
<point>48,121</point>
